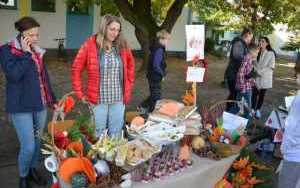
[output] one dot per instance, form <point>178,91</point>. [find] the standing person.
<point>244,84</point>
<point>289,175</point>
<point>156,70</point>
<point>239,48</point>
<point>110,75</point>
<point>264,67</point>
<point>28,94</point>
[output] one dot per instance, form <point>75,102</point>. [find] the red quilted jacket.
<point>87,58</point>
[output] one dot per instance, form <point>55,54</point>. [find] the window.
<point>8,4</point>
<point>43,5</point>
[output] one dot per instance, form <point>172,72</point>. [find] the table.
<point>204,173</point>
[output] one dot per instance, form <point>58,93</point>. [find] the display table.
<point>204,173</point>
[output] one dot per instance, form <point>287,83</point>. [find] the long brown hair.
<point>120,42</point>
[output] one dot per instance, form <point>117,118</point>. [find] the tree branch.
<point>173,13</point>
<point>127,11</point>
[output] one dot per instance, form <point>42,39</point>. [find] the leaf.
<point>259,166</point>
<point>241,163</point>
<point>254,181</point>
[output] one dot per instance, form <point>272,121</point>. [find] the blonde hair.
<point>163,34</point>
<point>120,42</point>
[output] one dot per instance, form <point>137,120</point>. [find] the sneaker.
<point>257,114</point>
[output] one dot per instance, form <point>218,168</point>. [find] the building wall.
<point>7,19</point>
<point>53,24</point>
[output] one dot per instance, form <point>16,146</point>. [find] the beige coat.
<point>264,68</point>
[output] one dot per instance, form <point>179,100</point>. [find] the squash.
<point>198,143</point>
<point>72,165</point>
<point>170,109</point>
<point>138,121</point>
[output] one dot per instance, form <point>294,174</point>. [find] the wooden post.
<point>194,90</point>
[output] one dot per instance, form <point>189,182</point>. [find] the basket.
<point>62,125</point>
<point>210,115</point>
<point>216,110</point>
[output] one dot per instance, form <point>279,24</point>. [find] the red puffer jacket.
<point>87,58</point>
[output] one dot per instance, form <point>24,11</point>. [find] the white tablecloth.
<point>203,174</point>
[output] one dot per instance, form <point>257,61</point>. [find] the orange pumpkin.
<point>73,165</point>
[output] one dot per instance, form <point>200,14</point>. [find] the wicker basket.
<point>211,115</point>
<point>62,125</point>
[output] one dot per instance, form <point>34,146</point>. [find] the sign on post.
<point>194,41</point>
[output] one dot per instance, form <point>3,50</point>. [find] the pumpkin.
<point>198,143</point>
<point>170,109</point>
<point>73,165</point>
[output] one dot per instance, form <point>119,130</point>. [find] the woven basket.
<point>211,115</point>
<point>62,125</point>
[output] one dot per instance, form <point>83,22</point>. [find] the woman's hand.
<point>26,44</point>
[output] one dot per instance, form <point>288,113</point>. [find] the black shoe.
<point>36,177</point>
<point>24,183</point>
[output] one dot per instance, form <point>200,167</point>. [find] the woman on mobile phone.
<point>28,95</point>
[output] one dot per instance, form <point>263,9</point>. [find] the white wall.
<point>7,20</point>
<point>278,38</point>
<point>97,17</point>
<point>53,24</point>
<point>178,38</point>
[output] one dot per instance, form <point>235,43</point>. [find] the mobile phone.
<point>21,36</point>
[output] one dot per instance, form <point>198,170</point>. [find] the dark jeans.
<point>155,95</point>
<point>258,97</point>
<point>232,94</point>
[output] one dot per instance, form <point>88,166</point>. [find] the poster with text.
<point>194,41</point>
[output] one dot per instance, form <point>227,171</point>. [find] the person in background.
<point>156,70</point>
<point>244,84</point>
<point>289,175</point>
<point>110,75</point>
<point>239,49</point>
<point>264,67</point>
<point>28,95</point>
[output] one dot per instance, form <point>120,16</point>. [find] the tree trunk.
<point>145,39</point>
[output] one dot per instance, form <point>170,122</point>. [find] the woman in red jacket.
<point>110,70</point>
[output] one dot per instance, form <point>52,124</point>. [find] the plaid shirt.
<point>243,84</point>
<point>111,80</point>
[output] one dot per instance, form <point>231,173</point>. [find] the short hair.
<point>252,47</point>
<point>246,30</point>
<point>26,23</point>
<point>162,34</point>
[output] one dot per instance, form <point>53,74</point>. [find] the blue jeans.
<point>29,126</point>
<point>248,97</point>
<point>111,116</point>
